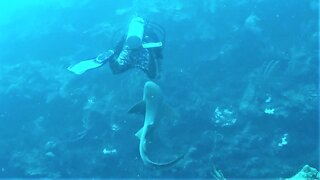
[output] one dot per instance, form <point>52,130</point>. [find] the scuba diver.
<point>140,48</point>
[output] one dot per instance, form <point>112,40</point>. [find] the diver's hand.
<point>103,57</point>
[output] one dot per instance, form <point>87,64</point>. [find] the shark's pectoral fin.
<point>139,108</point>
<point>138,134</point>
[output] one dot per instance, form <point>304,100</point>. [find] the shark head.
<point>152,92</point>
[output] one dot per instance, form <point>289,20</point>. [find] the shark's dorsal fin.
<point>139,108</point>
<point>138,134</point>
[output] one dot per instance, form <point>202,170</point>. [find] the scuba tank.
<point>135,33</point>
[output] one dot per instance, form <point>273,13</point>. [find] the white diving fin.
<point>84,66</point>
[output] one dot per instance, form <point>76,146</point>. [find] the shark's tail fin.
<point>169,164</point>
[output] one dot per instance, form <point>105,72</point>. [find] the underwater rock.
<point>251,23</point>
<point>224,116</point>
<point>248,99</point>
<point>108,151</point>
<point>284,140</point>
<point>269,111</point>
<point>50,154</point>
<point>306,172</point>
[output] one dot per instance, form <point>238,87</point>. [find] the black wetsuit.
<point>148,60</point>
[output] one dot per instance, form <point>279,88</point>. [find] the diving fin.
<point>84,66</point>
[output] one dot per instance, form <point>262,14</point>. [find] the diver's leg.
<point>153,67</point>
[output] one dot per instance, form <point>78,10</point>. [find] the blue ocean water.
<point>241,74</point>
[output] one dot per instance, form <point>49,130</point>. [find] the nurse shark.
<point>153,108</point>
